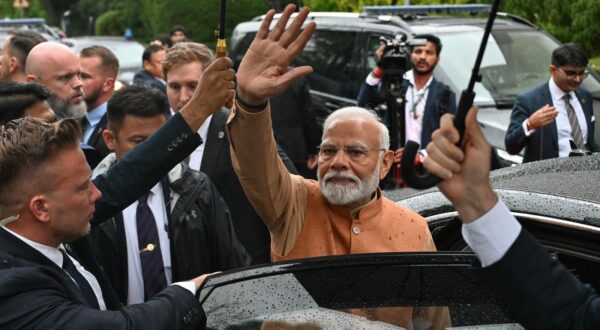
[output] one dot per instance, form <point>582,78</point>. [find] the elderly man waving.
<point>344,212</point>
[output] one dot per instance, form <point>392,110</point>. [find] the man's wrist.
<point>248,106</point>
<point>474,208</point>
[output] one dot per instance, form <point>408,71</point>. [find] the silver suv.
<point>341,52</point>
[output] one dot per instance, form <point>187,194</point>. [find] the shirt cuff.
<point>493,234</point>
<point>372,80</point>
<point>527,132</point>
<point>188,285</point>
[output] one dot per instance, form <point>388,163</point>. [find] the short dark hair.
<point>21,42</point>
<point>109,61</point>
<point>16,97</point>
<point>165,39</point>
<point>433,39</point>
<point>147,55</point>
<point>178,28</point>
<point>138,101</point>
<point>569,54</point>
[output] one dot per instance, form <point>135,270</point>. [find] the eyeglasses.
<point>356,154</point>
<point>570,74</point>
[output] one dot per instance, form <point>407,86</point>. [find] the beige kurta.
<point>303,224</point>
<point>301,221</point>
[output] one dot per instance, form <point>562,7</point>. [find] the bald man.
<point>58,68</point>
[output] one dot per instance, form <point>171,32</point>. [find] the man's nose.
<point>95,193</point>
<point>340,160</point>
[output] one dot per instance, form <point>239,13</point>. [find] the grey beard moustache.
<point>67,110</point>
<point>338,194</point>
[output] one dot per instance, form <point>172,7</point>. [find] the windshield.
<point>514,62</point>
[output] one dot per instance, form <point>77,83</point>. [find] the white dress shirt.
<point>93,117</point>
<point>417,99</point>
<point>563,125</point>
<point>54,254</point>
<point>493,234</point>
<point>196,155</point>
<point>135,279</point>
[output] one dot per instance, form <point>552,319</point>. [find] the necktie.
<point>575,128</point>
<point>81,282</point>
<point>84,124</point>
<point>153,270</point>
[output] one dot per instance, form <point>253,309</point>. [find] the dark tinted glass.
<point>354,292</point>
<point>330,53</point>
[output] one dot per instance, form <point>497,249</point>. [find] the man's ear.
<point>38,206</point>
<point>109,139</point>
<point>386,163</point>
<point>108,85</point>
<point>146,64</point>
<point>13,64</point>
<point>31,77</point>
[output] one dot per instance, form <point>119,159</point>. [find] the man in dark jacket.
<point>152,74</point>
<point>194,234</point>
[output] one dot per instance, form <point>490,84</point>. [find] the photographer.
<point>425,98</point>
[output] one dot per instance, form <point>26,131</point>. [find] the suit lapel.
<point>97,133</point>
<point>21,250</point>
<point>216,142</point>
<point>552,130</point>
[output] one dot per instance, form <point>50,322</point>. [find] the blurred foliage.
<point>574,20</point>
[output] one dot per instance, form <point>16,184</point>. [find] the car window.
<point>330,53</point>
<point>511,63</point>
<point>385,291</point>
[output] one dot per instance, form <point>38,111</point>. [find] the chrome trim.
<point>558,222</point>
<point>533,217</point>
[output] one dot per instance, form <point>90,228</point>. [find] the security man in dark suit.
<point>59,205</point>
<point>539,291</point>
<point>556,118</point>
<point>184,64</point>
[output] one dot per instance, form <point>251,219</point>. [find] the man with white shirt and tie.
<point>47,200</point>
<point>180,228</point>
<point>556,118</point>
<point>183,66</point>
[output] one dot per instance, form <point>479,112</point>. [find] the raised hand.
<point>465,170</point>
<point>542,117</point>
<point>263,71</point>
<point>215,88</point>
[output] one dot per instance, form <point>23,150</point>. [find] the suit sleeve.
<point>540,291</point>
<point>143,167</point>
<point>515,139</point>
<point>32,298</point>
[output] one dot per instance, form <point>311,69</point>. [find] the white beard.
<point>346,194</point>
<point>67,110</point>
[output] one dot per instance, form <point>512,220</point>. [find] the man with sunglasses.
<point>556,118</point>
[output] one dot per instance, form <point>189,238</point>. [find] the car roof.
<point>392,23</point>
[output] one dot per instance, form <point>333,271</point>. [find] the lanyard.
<point>413,108</point>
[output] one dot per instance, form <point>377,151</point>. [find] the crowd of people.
<point>115,205</point>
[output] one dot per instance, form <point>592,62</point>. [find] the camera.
<point>396,55</point>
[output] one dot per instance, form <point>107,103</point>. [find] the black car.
<point>342,50</point>
<point>556,200</point>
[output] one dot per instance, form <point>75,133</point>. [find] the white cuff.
<point>188,285</point>
<point>372,80</point>
<point>527,132</point>
<point>493,234</point>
